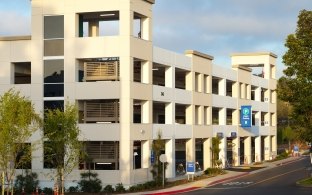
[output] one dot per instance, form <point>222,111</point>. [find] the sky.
<point>214,27</point>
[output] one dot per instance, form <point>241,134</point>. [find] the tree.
<point>295,87</point>
<point>157,171</point>
<point>18,121</point>
<point>62,148</point>
<point>215,151</point>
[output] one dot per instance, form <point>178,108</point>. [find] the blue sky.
<point>215,27</point>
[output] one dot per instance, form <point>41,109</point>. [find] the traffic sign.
<point>190,167</point>
<point>246,116</point>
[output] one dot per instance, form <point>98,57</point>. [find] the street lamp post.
<point>134,155</point>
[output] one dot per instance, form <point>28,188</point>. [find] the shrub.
<point>47,190</point>
<point>108,189</point>
<point>213,171</point>
<point>29,182</point>
<point>73,189</point>
<point>90,183</point>
<point>120,188</point>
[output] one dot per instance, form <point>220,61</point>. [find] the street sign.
<point>163,158</point>
<point>246,116</point>
<point>233,134</point>
<point>190,167</point>
<point>220,135</point>
<point>152,157</point>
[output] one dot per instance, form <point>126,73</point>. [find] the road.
<point>279,180</point>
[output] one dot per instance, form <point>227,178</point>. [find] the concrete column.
<point>222,87</point>
<point>242,91</point>
<point>258,94</point>
<point>169,113</point>
<point>248,92</point>
<point>207,153</point>
<point>147,111</point>
<point>274,145</point>
<point>222,116</point>
<point>258,119</point>
<point>146,151</point>
<point>236,151</point>
<point>170,154</point>
<point>207,110</point>
<point>267,119</point>
<point>236,90</point>
<point>190,150</point>
<point>258,149</point>
<point>146,73</point>
<point>201,83</point>
<point>201,115</point>
<point>189,84</point>
<point>94,29</point>
<point>223,150</point>
<point>236,117</point>
<point>247,150</point>
<point>169,77</point>
<point>267,148</point>
<point>190,115</point>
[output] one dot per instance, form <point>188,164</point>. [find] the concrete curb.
<point>175,191</point>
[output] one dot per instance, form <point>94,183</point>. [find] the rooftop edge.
<point>254,54</point>
<point>197,53</point>
<point>150,1</point>
<point>15,38</point>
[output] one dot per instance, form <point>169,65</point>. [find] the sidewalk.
<point>230,175</point>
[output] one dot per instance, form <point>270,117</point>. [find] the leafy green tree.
<point>18,121</point>
<point>157,169</point>
<point>62,149</point>
<point>215,151</point>
<point>295,86</point>
<point>288,135</point>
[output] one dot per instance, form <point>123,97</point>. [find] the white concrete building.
<point>100,54</point>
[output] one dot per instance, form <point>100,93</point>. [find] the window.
<point>53,35</point>
<point>101,155</point>
<point>94,24</point>
<point>53,27</point>
<point>54,47</point>
<point>53,78</point>
<point>22,72</point>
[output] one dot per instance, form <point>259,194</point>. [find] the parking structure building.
<point>99,54</point>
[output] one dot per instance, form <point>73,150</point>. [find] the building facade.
<point>99,54</point>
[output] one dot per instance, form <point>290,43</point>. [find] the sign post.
<point>246,116</point>
<point>163,159</point>
<point>190,169</point>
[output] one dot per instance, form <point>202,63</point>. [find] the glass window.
<point>53,27</point>
<point>54,71</point>
<point>54,105</point>
<point>53,90</point>
<point>54,47</point>
<point>22,72</point>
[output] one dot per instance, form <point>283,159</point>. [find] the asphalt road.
<point>278,180</point>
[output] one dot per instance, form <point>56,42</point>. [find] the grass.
<point>306,181</point>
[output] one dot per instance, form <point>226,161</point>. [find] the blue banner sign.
<point>190,167</point>
<point>152,157</point>
<point>246,116</point>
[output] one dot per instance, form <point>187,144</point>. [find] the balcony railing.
<point>101,111</point>
<point>101,71</point>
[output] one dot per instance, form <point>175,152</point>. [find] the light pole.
<point>134,155</point>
